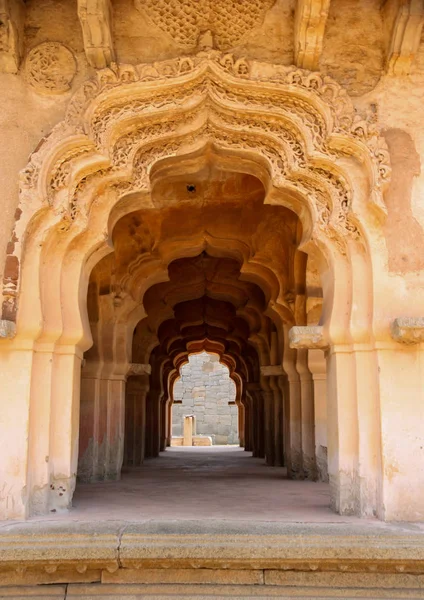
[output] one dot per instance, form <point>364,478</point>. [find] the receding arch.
<point>294,131</point>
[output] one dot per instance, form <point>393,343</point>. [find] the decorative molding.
<point>7,329</point>
<point>275,114</point>
<point>12,14</point>
<point>406,36</point>
<point>139,369</point>
<point>50,68</point>
<point>310,21</point>
<point>96,22</point>
<point>309,337</point>
<point>408,330</point>
<point>271,370</point>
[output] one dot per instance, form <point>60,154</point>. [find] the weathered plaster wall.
<point>25,117</point>
<point>205,388</point>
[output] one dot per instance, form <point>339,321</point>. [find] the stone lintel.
<point>7,329</point>
<point>310,20</point>
<point>311,336</point>
<point>408,330</point>
<point>96,22</point>
<point>12,14</point>
<point>139,369</point>
<point>405,37</point>
<point>271,370</point>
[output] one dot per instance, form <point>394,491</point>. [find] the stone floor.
<point>219,482</point>
<point>203,523</point>
<point>207,485</point>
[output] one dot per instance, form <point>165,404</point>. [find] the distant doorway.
<point>206,393</point>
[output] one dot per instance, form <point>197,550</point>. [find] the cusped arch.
<point>294,129</point>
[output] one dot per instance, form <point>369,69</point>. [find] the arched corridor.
<point>202,295</point>
<point>180,209</point>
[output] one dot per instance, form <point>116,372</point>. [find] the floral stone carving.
<point>50,68</point>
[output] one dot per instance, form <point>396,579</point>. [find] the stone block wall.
<point>205,389</point>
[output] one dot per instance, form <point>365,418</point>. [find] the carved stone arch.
<point>123,122</point>
<point>295,131</point>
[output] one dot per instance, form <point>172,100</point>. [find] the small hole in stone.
<point>191,188</point>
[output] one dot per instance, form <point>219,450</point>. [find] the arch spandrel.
<point>127,119</point>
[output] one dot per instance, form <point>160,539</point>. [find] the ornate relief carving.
<point>228,21</point>
<point>50,68</point>
<point>298,123</point>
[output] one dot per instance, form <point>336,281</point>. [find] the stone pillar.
<point>244,417</point>
<point>15,385</point>
<point>102,428</point>
<point>292,411</point>
<point>188,431</point>
<point>342,419</point>
<point>401,393</point>
<point>318,367</point>
<point>164,413</point>
<point>278,422</point>
<point>135,420</point>
<point>307,415</point>
<point>253,390</point>
<point>269,441</point>
<point>275,417</point>
<point>39,428</point>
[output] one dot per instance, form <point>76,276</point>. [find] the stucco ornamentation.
<point>50,68</point>
<point>186,20</point>
<point>301,126</point>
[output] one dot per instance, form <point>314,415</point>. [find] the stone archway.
<point>293,130</point>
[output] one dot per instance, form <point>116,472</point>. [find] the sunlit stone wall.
<point>205,389</point>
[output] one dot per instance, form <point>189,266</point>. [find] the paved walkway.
<point>203,483</point>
